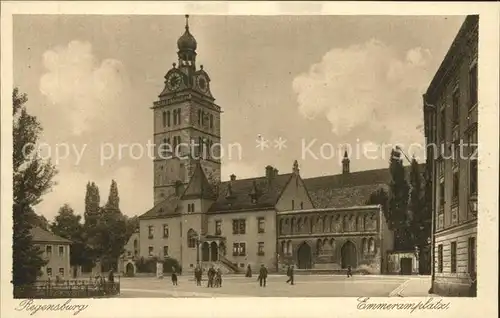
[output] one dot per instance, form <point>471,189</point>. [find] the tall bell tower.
<point>186,124</point>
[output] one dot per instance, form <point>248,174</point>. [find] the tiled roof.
<point>167,207</point>
<point>350,189</point>
<point>236,194</point>
<point>41,235</point>
<point>198,186</point>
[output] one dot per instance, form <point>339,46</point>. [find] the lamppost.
<point>198,241</point>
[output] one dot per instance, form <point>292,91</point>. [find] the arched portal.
<point>129,269</point>
<point>205,252</point>
<point>304,256</point>
<point>348,254</point>
<point>214,252</point>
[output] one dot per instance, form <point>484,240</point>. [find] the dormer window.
<point>254,194</point>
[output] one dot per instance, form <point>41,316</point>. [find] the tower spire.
<point>187,22</point>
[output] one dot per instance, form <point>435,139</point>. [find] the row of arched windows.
<point>176,117</point>
<point>328,224</point>
<point>368,246</point>
<point>327,246</point>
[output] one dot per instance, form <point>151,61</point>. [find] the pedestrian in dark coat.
<point>262,276</point>
<point>290,275</point>
<point>349,271</point>
<point>174,277</point>
<point>197,275</point>
<point>211,276</point>
<point>249,271</point>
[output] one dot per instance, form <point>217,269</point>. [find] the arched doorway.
<point>214,252</point>
<point>348,254</point>
<point>129,269</point>
<point>205,252</point>
<point>304,256</point>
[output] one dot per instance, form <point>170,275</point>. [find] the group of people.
<point>214,276</point>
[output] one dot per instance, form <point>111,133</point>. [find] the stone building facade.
<point>197,219</point>
<point>56,251</point>
<point>451,119</point>
<point>335,238</point>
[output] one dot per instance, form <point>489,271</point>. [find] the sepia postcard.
<point>299,159</point>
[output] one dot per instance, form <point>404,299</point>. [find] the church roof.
<point>198,186</point>
<point>239,196</point>
<point>165,208</point>
<point>40,235</point>
<point>349,189</point>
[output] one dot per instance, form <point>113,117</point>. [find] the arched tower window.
<point>192,238</point>
<point>164,119</point>
<point>168,118</point>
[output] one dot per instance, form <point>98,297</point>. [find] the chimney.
<point>345,163</point>
<point>232,177</point>
<point>270,172</point>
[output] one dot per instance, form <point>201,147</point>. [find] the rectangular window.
<point>239,249</point>
<point>165,251</point>
<point>473,86</point>
<point>456,186</point>
<point>473,177</point>
<point>471,255</point>
<point>61,272</point>
<point>218,227</point>
<point>441,196</point>
<point>61,250</point>
<point>49,250</point>
<point>150,251</point>
<point>301,205</point>
<point>453,255</point>
<point>239,226</point>
<point>150,231</point>
<point>440,258</point>
<point>49,271</point>
<point>261,225</point>
<point>456,106</point>
<point>165,230</point>
<point>293,204</point>
<point>260,248</point>
<point>442,131</point>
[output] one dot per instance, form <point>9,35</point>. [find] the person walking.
<point>211,276</point>
<point>197,275</point>
<point>349,271</point>
<point>249,271</point>
<point>218,278</point>
<point>174,277</point>
<point>262,276</point>
<point>290,274</point>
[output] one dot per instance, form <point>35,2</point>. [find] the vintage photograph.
<point>245,156</point>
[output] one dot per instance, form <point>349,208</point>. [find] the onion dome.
<point>187,40</point>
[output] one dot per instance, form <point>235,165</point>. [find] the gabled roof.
<point>350,189</point>
<point>166,208</point>
<point>40,235</point>
<point>269,191</point>
<point>198,186</point>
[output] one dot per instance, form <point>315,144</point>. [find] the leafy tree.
<point>132,225</point>
<point>32,178</point>
<point>92,205</point>
<point>113,199</point>
<point>417,204</point>
<point>112,237</point>
<point>67,224</point>
<point>398,201</point>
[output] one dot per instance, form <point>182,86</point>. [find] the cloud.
<point>371,87</point>
<point>83,89</point>
<point>71,189</point>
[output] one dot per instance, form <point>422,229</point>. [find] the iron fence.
<point>68,289</point>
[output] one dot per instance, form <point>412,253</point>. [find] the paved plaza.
<point>305,286</point>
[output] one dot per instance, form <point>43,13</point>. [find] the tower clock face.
<point>174,81</point>
<point>202,83</point>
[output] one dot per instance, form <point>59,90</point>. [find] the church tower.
<point>186,124</point>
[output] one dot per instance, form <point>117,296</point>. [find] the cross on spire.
<point>187,21</point>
